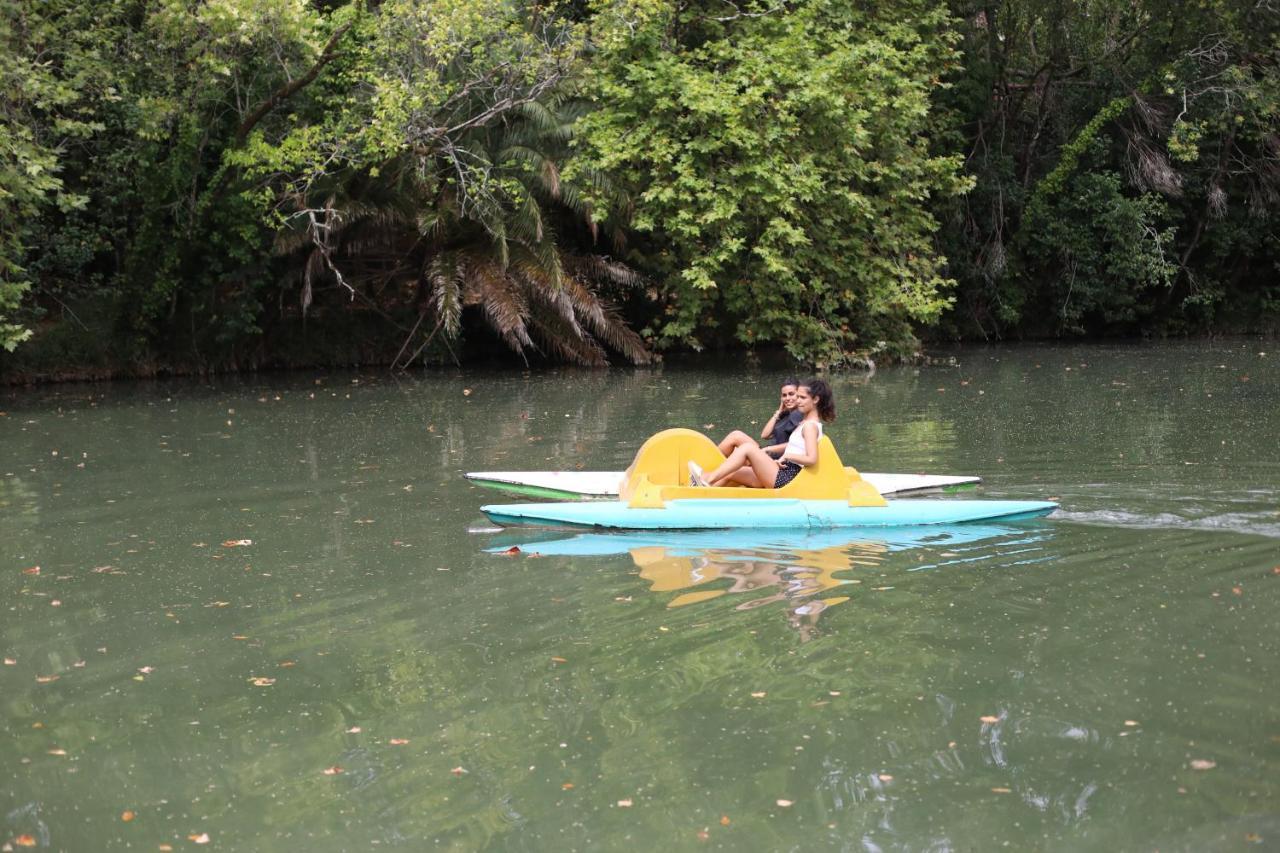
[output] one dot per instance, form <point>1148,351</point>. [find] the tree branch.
<point>289,89</point>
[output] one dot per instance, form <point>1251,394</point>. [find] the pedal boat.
<point>655,495</point>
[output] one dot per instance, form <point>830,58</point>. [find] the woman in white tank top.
<point>749,465</point>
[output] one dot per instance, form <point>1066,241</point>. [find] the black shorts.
<point>787,471</point>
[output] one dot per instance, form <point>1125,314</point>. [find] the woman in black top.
<point>777,431</point>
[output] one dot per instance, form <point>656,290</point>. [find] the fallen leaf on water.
<point>397,741</point>
<point>55,603</point>
<point>833,692</point>
<point>332,771</point>
<point>80,664</point>
<point>287,663</point>
<point>786,804</point>
<point>127,816</point>
<point>1001,791</point>
<point>25,841</point>
<point>146,670</point>
<point>1203,764</point>
<point>559,660</point>
<point>885,777</point>
<point>45,679</point>
<point>624,804</point>
<point>202,838</point>
<point>57,751</point>
<point>1130,722</point>
<point>239,637</point>
<point>989,719</point>
<point>262,682</point>
<point>354,730</point>
<point>567,786</point>
<point>759,695</point>
<point>724,820</point>
<point>34,570</point>
<point>236,543</point>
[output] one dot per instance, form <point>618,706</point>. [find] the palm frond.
<point>444,277</point>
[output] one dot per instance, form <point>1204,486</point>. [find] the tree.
<point>780,168</point>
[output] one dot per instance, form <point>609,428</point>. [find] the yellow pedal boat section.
<point>660,473</point>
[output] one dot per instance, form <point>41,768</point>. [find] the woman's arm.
<point>810,432</point>
<point>767,432</point>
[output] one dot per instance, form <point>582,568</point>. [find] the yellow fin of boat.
<point>660,473</point>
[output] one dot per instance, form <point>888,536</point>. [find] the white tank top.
<point>795,444</point>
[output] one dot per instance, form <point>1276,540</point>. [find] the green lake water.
<point>265,618</point>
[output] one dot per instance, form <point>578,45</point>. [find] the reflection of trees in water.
<point>796,578</point>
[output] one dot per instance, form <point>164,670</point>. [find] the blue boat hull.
<point>723,514</point>
<point>755,541</point>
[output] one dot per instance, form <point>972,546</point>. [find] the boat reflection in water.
<point>796,569</point>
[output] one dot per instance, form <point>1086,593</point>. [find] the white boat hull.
<point>581,485</point>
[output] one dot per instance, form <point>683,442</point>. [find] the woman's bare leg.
<point>742,477</point>
<point>751,457</point>
<point>734,440</point>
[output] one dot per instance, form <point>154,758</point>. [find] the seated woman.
<point>781,424</point>
<point>750,465</point>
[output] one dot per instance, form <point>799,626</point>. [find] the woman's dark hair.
<point>821,392</point>
<point>790,380</point>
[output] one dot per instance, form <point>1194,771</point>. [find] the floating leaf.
<point>332,771</point>
<point>989,719</point>
<point>624,804</point>
<point>1130,722</point>
<point>146,670</point>
<point>202,838</point>
<point>262,682</point>
<point>397,741</point>
<point>567,786</point>
<point>46,679</point>
<point>237,543</point>
<point>354,730</point>
<point>759,695</point>
<point>1001,791</point>
<point>786,804</point>
<point>1203,764</point>
<point>885,777</point>
<point>559,660</point>
<point>56,751</point>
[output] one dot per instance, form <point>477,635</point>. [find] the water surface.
<point>263,614</point>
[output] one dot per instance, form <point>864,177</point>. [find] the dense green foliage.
<point>1127,167</point>
<point>213,184</point>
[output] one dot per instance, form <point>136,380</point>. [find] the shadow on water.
<point>797,571</point>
